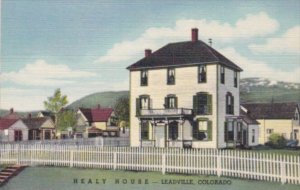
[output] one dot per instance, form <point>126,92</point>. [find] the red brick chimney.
<point>148,52</point>
<point>194,34</point>
<point>11,110</point>
<point>29,116</point>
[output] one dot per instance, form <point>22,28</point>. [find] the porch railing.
<point>159,112</point>
<point>148,143</point>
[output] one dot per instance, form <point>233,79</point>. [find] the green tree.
<point>66,119</point>
<point>277,141</point>
<point>122,110</point>
<point>55,103</point>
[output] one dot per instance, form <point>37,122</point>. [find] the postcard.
<point>140,94</point>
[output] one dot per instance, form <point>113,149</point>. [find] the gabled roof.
<point>46,113</point>
<point>12,115</point>
<point>183,54</point>
<point>247,118</point>
<point>6,123</point>
<point>271,110</point>
<point>35,123</point>
<point>96,114</point>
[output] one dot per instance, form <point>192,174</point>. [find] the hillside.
<point>105,99</point>
<point>261,90</point>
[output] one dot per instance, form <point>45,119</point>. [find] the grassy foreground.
<point>52,178</point>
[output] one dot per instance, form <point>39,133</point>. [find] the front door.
<point>245,137</point>
<point>160,136</point>
<point>47,135</point>
<point>18,135</point>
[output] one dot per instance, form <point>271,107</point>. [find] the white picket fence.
<point>231,163</point>
<point>97,141</point>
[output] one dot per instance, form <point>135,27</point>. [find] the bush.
<point>277,141</point>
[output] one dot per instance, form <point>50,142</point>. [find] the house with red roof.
<point>94,122</point>
<point>186,94</point>
<point>13,130</point>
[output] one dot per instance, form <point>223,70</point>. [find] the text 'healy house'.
<point>187,94</point>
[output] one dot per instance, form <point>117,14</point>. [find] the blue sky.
<point>85,47</point>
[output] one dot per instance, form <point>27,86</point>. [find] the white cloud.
<point>255,68</point>
<point>23,99</point>
<point>252,25</point>
<point>29,99</point>
<point>41,73</point>
<point>289,42</point>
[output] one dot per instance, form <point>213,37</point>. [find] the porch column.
<point>167,131</point>
<point>181,129</point>
<point>153,133</point>
<point>234,127</point>
<point>140,132</point>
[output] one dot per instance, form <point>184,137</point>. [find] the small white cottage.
<point>13,130</point>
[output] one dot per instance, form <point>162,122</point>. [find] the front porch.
<point>236,132</point>
<point>165,127</point>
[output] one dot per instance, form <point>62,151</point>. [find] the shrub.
<point>277,141</point>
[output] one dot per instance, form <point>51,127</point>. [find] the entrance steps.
<point>10,171</point>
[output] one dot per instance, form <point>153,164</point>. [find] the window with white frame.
<point>202,74</point>
<point>171,76</point>
<point>222,79</point>
<point>144,78</point>
<point>170,102</point>
<point>229,103</point>
<point>270,131</point>
<point>253,135</point>
<point>235,79</point>
<point>202,130</point>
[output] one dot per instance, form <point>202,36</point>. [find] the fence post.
<point>71,158</point>
<point>163,163</point>
<point>31,156</point>
<point>282,170</point>
<point>102,141</point>
<point>219,167</point>
<point>18,154</point>
<point>115,160</point>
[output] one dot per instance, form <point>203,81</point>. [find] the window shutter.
<point>225,131</point>
<point>209,130</point>
<point>195,130</point>
<point>176,102</point>
<point>166,102</point>
<point>226,106</point>
<point>195,104</point>
<point>149,103</point>
<point>209,104</point>
<point>138,106</point>
<point>232,103</point>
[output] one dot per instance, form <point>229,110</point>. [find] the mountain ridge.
<point>252,90</point>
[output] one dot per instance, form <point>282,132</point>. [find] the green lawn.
<point>53,178</point>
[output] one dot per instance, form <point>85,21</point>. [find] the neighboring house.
<point>40,128</point>
<point>281,118</point>
<point>249,133</point>
<point>92,122</point>
<point>13,130</point>
<point>185,94</point>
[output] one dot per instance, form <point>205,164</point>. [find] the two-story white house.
<point>185,94</point>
